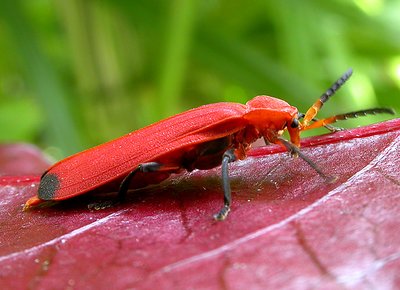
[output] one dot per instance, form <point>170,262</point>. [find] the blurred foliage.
<point>77,73</point>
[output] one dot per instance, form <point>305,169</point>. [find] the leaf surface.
<point>288,227</point>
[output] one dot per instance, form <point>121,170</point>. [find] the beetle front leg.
<point>295,151</point>
<point>228,157</point>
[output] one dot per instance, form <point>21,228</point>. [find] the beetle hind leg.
<point>145,167</point>
<point>124,186</point>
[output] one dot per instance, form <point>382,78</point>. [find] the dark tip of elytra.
<point>48,186</point>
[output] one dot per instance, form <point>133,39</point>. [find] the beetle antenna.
<point>325,122</point>
<point>313,110</point>
<point>293,149</point>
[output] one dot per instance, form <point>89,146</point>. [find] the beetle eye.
<point>295,123</point>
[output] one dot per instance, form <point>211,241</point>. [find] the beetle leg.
<point>293,149</point>
<point>145,167</point>
<point>229,156</point>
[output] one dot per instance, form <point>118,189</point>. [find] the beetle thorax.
<point>269,116</point>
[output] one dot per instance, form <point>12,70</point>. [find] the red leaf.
<point>287,228</point>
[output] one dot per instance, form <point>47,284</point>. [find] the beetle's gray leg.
<point>144,167</point>
<point>228,157</point>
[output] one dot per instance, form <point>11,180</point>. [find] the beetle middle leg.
<point>228,157</point>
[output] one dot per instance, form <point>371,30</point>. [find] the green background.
<point>74,74</point>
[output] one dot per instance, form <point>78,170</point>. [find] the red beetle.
<point>201,138</point>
